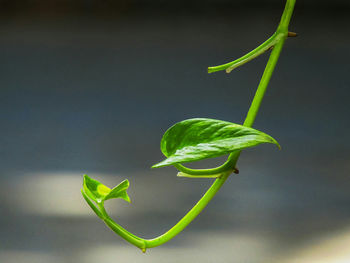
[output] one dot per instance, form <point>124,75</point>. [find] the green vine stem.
<point>247,57</point>
<point>221,173</point>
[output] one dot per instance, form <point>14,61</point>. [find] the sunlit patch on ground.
<point>18,256</point>
<point>58,194</point>
<point>203,247</point>
<point>49,194</point>
<point>206,246</point>
<point>333,248</point>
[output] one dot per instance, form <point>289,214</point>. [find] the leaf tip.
<point>85,176</point>
<point>126,182</point>
<point>157,165</point>
<point>276,143</point>
<point>127,198</point>
<point>229,69</point>
<point>272,140</point>
<point>180,174</point>
<point>119,192</point>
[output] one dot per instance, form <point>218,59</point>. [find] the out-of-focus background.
<point>90,86</point>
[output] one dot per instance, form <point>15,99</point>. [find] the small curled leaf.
<point>119,191</point>
<point>98,192</point>
<point>197,139</point>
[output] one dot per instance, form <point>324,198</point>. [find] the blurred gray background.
<point>90,86</point>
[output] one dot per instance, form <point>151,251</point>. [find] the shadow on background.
<point>90,87</point>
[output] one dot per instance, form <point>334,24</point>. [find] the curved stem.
<point>131,238</point>
<point>176,229</point>
<point>282,33</point>
<point>192,214</point>
<point>280,36</point>
<point>223,168</point>
<point>181,174</point>
<point>260,92</point>
<point>247,57</point>
<point>92,206</point>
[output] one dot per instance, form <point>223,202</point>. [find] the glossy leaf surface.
<point>119,191</point>
<point>198,139</point>
<point>98,192</point>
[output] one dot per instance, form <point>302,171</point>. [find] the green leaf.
<point>98,192</point>
<point>198,139</point>
<point>94,189</point>
<point>119,191</point>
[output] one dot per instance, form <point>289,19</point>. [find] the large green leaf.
<point>198,139</point>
